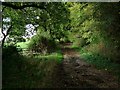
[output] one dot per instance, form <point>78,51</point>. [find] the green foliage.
<point>93,19</point>
<point>101,62</point>
<point>23,45</point>
<point>53,56</point>
<point>96,28</point>
<point>92,27</point>
<point>14,41</point>
<point>79,42</point>
<point>15,20</point>
<point>43,43</point>
<point>43,14</point>
<point>25,72</point>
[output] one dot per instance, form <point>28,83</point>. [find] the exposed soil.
<point>73,72</point>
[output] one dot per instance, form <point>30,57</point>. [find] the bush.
<point>80,42</point>
<point>9,51</point>
<point>107,50</point>
<point>42,44</point>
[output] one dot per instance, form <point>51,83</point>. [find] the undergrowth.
<point>101,62</point>
<point>30,72</point>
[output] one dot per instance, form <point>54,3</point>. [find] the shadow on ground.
<point>73,72</point>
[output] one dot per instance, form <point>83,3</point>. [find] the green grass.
<point>76,48</point>
<point>31,72</point>
<point>101,62</point>
<point>54,56</point>
<point>23,45</point>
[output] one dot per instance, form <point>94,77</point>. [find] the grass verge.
<point>25,72</point>
<point>101,62</point>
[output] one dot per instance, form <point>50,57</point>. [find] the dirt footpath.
<point>76,73</point>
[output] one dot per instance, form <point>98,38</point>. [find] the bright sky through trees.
<point>29,32</point>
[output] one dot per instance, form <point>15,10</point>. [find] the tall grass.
<point>100,61</point>
<point>30,72</point>
<point>100,57</point>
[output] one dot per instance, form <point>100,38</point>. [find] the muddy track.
<point>73,72</point>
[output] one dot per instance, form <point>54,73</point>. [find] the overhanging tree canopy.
<point>53,17</point>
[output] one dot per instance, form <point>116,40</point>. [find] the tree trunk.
<point>5,35</point>
<point>3,40</point>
